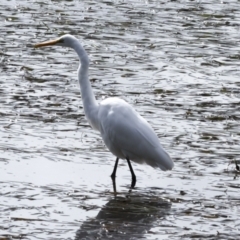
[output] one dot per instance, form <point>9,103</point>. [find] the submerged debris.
<point>237,167</point>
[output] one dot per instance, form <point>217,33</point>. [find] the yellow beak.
<point>47,43</point>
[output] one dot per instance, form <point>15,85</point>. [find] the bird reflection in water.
<point>128,217</point>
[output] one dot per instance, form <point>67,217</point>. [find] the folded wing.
<point>127,134</point>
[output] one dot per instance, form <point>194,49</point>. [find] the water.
<point>177,63</point>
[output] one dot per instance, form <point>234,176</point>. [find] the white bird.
<point>126,134</point>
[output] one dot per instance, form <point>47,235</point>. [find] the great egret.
<point>126,134</point>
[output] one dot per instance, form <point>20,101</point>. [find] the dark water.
<point>177,63</point>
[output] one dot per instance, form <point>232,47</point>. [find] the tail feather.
<point>161,160</point>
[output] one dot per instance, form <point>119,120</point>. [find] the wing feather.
<point>127,134</point>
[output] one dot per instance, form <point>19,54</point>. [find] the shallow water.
<point>177,63</point>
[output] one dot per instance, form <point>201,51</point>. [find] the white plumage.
<point>126,134</point>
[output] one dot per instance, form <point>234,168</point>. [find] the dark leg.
<point>113,175</point>
<point>133,174</point>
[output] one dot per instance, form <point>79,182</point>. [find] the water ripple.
<point>177,63</point>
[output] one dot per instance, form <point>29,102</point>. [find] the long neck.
<point>90,105</point>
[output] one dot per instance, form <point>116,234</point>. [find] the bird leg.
<point>113,175</point>
<point>134,179</point>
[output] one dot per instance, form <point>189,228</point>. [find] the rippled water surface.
<point>177,62</point>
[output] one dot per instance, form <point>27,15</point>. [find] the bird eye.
<point>61,40</point>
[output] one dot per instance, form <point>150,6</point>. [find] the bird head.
<point>66,40</point>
